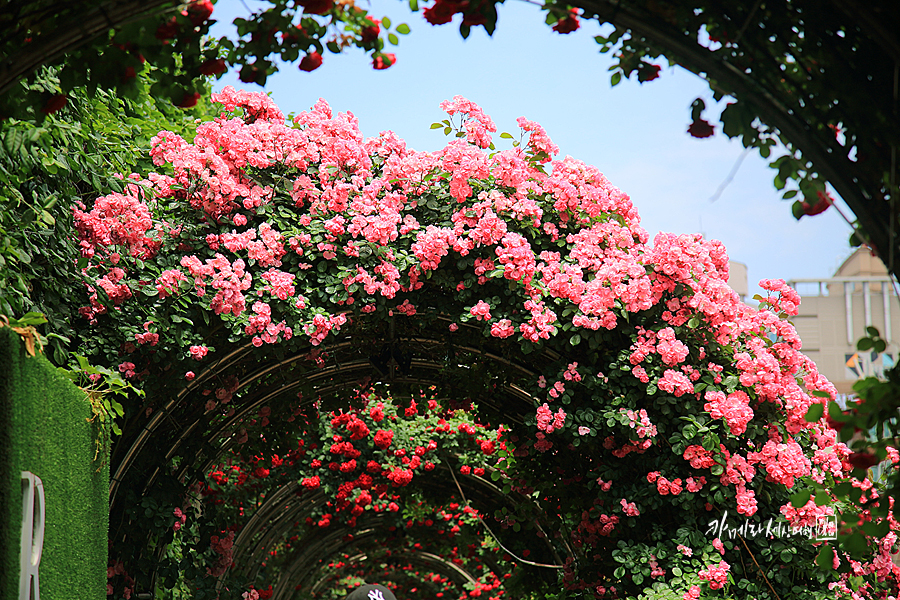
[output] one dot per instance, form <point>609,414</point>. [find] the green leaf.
<point>30,318</point>
<point>814,413</point>
<point>855,544</point>
<point>506,136</point>
<point>865,344</point>
<point>393,39</point>
<point>825,557</point>
<point>403,28</point>
<point>801,499</point>
<point>386,22</point>
<point>616,78</point>
<point>436,125</point>
<point>878,530</point>
<point>872,331</point>
<point>837,414</point>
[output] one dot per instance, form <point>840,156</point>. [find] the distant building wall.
<point>835,312</point>
<point>737,279</point>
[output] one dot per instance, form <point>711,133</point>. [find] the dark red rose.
<point>474,18</point>
<point>316,7</point>
<point>293,36</point>
<point>647,72</point>
<point>198,12</point>
<point>188,100</point>
<point>442,11</point>
<point>54,104</point>
<point>836,425</point>
<point>569,23</point>
<point>862,460</point>
<point>701,129</point>
<point>212,66</point>
<point>311,61</point>
<point>167,30</point>
<point>824,201</point>
<point>370,33</point>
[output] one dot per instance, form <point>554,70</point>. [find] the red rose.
<point>199,12</point>
<point>370,33</point>
<point>54,104</point>
<point>701,129</point>
<point>311,62</point>
<point>383,438</point>
<point>212,66</point>
<point>310,483</point>
<point>383,61</point>
<point>316,7</point>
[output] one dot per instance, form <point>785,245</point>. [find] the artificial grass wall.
<point>44,429</point>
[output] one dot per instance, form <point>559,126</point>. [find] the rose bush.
<point>645,402</point>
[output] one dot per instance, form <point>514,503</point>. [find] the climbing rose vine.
<point>661,404</point>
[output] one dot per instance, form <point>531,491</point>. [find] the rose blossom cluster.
<point>375,227</point>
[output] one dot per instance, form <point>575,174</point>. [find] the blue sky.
<point>635,134</point>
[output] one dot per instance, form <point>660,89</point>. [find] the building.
<point>835,312</point>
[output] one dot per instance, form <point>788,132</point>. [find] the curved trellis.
<point>349,366</point>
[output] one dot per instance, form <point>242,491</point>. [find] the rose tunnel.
<point>463,373</point>
<point>460,370</point>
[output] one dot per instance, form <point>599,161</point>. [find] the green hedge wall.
<point>45,429</point>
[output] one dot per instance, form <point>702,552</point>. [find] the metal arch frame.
<point>236,356</point>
